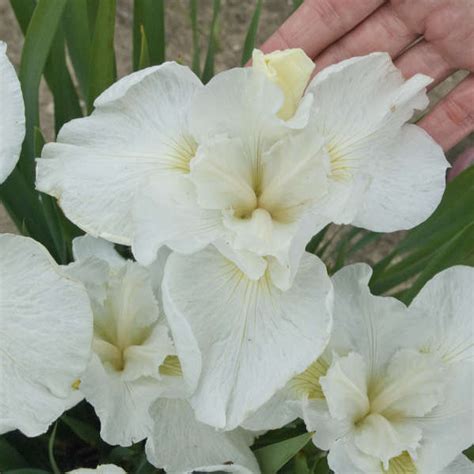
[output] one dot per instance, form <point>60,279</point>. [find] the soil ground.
<point>235,16</point>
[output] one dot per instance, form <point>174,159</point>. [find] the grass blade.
<point>196,64</point>
<point>208,71</point>
<point>78,36</point>
<point>251,36</point>
<point>102,71</point>
<point>23,10</point>
<point>66,100</point>
<point>144,53</point>
<point>56,73</point>
<point>149,15</point>
<point>38,41</point>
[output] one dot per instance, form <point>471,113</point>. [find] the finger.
<point>382,31</point>
<point>424,58</point>
<point>453,118</point>
<point>318,23</point>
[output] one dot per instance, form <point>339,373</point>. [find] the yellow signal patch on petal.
<point>171,366</point>
<point>402,464</point>
<point>307,383</point>
<point>291,70</point>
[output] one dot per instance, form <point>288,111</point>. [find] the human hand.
<point>433,37</point>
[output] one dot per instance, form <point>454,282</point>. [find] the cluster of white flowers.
<point>224,326</point>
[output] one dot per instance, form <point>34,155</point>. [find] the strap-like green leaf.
<point>144,53</point>
<point>196,64</point>
<point>66,100</point>
<point>273,457</point>
<point>208,71</point>
<point>38,40</point>
<point>78,32</point>
<point>102,70</point>
<point>251,36</point>
<point>149,14</point>
<point>56,73</point>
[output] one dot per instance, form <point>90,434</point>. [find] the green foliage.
<point>274,456</point>
<point>102,69</point>
<point>27,471</point>
<point>38,41</point>
<point>10,458</point>
<point>144,60</point>
<point>149,16</point>
<point>251,36</point>
<point>78,30</point>
<point>196,64</point>
<point>208,71</point>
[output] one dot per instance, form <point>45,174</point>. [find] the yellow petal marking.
<point>171,367</point>
<point>307,384</point>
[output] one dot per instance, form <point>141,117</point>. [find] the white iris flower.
<point>45,334</point>
<point>393,382</point>
<point>135,381</point>
<point>12,117</point>
<point>102,469</point>
<point>248,163</point>
<point>254,165</point>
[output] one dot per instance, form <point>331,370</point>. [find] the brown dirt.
<point>235,16</point>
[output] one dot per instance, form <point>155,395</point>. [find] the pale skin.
<point>332,30</point>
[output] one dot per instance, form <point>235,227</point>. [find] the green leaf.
<point>443,240</point>
<point>56,73</point>
<point>144,53</point>
<point>27,471</point>
<point>66,100</point>
<point>23,10</point>
<point>82,430</point>
<point>251,36</point>
<point>196,64</point>
<point>52,214</point>
<point>27,212</point>
<point>102,71</point>
<point>38,40</point>
<point>10,458</point>
<point>300,465</point>
<point>149,14</point>
<point>51,441</point>
<point>315,242</point>
<point>275,456</point>
<point>321,467</point>
<point>78,36</point>
<point>469,452</point>
<point>212,42</point>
